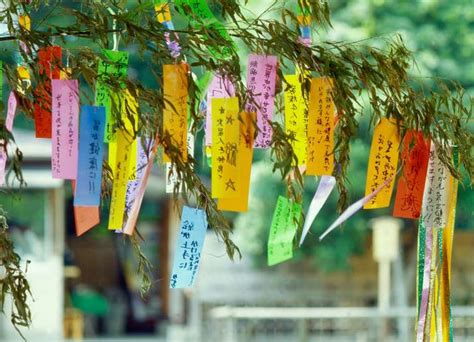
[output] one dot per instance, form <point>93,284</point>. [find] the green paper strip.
<point>112,67</point>
<point>283,230</point>
<point>199,14</point>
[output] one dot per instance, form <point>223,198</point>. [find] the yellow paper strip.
<point>163,13</point>
<point>117,201</point>
<point>320,128</point>
<point>225,143</point>
<point>244,165</point>
<point>175,112</point>
<point>383,162</point>
<point>296,116</point>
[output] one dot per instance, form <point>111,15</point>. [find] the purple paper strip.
<point>65,96</point>
<point>261,79</point>
<point>426,286</point>
<point>220,87</point>
<point>12,104</point>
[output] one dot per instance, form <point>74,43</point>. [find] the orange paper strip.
<point>416,153</point>
<point>320,160</point>
<point>244,165</point>
<point>383,162</point>
<point>85,218</point>
<point>175,112</point>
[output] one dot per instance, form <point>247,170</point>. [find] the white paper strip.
<point>170,173</point>
<point>325,187</point>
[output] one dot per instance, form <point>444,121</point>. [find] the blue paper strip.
<point>91,151</point>
<point>188,250</point>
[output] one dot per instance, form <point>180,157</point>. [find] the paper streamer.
<point>129,227</point>
<point>49,66</point>
<point>320,160</point>
<point>175,112</point>
<point>112,67</point>
<point>188,248</point>
<point>220,87</point>
<point>353,208</point>
<point>85,218</point>
<point>3,161</point>
<point>225,132</point>
<point>383,162</point>
<point>261,79</point>
<point>411,184</point>
<point>11,111</point>
<point>296,116</point>
<point>240,202</point>
<point>171,175</point>
<point>435,196</point>
<point>91,151</point>
<point>65,128</point>
<point>282,231</point>
<point>325,187</point>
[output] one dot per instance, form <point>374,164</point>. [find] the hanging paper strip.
<point>91,150</point>
<point>225,133</point>
<point>3,161</point>
<point>188,248</point>
<point>121,176</point>
<point>304,22</point>
<point>49,66</point>
<point>220,87</point>
<point>282,231</point>
<point>354,207</point>
<point>261,79</point>
<point>240,202</point>
<point>85,217</point>
<point>175,112</point>
<point>65,128</point>
<point>171,175</point>
<point>415,155</point>
<point>383,162</point>
<point>200,15</point>
<point>325,187</point>
<point>162,10</point>
<point>320,128</point>
<point>296,116</point>
<point>11,111</point>
<point>112,69</point>
<point>435,196</point>
<point>140,193</point>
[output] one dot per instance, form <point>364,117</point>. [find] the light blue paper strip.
<point>188,249</point>
<point>91,151</point>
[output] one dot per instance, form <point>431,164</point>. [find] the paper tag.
<point>261,78</point>
<point>171,174</point>
<point>91,151</point>
<point>225,132</point>
<point>188,248</point>
<point>296,116</point>
<point>283,230</point>
<point>12,104</point>
<point>65,128</point>
<point>409,196</point>
<point>320,128</point>
<point>325,187</point>
<point>435,196</point>
<point>240,202</point>
<point>220,87</point>
<point>175,112</point>
<point>383,162</point>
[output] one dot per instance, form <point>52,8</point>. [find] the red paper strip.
<point>415,155</point>
<point>49,61</point>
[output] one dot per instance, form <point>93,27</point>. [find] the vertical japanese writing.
<point>296,116</point>
<point>261,78</point>
<point>189,246</point>
<point>320,128</point>
<point>65,128</point>
<point>383,162</point>
<point>89,174</point>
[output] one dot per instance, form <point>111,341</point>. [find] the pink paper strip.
<point>261,79</point>
<point>353,208</point>
<point>133,215</point>
<point>426,286</point>
<point>220,87</point>
<point>65,96</point>
<point>325,187</point>
<point>12,104</point>
<point>3,162</point>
